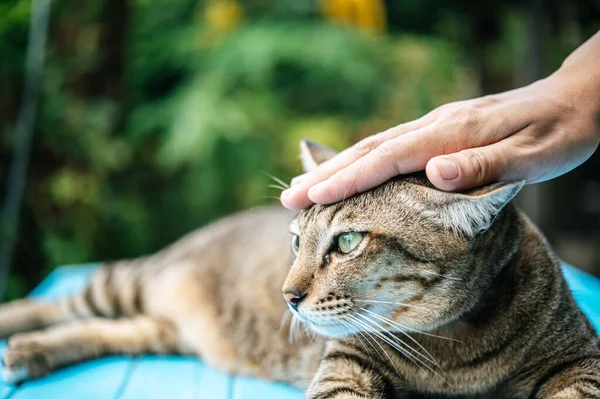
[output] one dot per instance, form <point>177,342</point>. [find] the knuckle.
<point>386,149</point>
<point>367,145</point>
<point>488,100</point>
<point>443,112</point>
<point>478,164</point>
<point>447,108</point>
<point>467,116</point>
<point>388,152</point>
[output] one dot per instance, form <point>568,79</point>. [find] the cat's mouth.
<point>330,326</point>
<point>349,321</point>
<point>331,330</point>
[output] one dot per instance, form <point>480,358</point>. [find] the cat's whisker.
<point>367,336</point>
<point>391,303</point>
<point>285,319</point>
<point>443,276</point>
<point>384,352</point>
<point>276,186</point>
<point>390,338</point>
<point>271,197</point>
<point>392,323</point>
<point>310,333</point>
<point>418,331</point>
<point>429,358</point>
<point>346,326</point>
<point>294,330</point>
<point>375,333</point>
<point>371,327</point>
<point>358,335</point>
<point>361,335</point>
<point>292,323</point>
<point>278,180</point>
<point>356,332</point>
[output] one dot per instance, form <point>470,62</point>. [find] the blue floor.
<point>151,377</point>
<point>146,377</point>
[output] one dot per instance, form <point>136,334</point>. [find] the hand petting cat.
<point>534,133</point>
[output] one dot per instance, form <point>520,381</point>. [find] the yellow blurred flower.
<point>368,15</point>
<point>222,15</point>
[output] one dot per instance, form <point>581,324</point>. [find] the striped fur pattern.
<point>445,296</point>
<point>215,294</point>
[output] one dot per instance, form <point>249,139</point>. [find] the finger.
<point>296,197</point>
<point>404,154</point>
<point>298,179</point>
<point>473,167</point>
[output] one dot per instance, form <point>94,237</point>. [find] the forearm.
<point>588,53</point>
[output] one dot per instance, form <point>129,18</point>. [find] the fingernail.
<point>285,195</point>
<point>297,180</point>
<point>447,168</point>
<point>286,200</point>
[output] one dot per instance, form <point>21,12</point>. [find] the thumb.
<point>471,168</point>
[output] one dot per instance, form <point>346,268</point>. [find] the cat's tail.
<point>114,290</point>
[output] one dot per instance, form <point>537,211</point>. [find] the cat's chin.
<point>330,331</point>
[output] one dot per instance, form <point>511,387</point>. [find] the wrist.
<point>579,87</point>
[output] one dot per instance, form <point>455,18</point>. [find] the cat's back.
<point>245,254</point>
<point>242,238</point>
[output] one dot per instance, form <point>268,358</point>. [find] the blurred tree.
<point>161,115</point>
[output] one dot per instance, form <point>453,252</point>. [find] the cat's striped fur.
<point>447,295</point>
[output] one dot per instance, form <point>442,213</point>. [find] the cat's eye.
<point>347,242</point>
<point>295,244</point>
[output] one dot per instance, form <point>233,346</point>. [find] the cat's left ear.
<point>313,154</point>
<point>474,211</point>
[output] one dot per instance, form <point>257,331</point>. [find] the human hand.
<point>534,133</point>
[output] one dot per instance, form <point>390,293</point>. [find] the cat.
<point>409,291</point>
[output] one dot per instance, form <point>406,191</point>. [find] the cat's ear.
<point>474,212</point>
<point>313,154</point>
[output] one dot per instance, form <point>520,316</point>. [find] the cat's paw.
<point>31,340</point>
<point>14,375</point>
<point>23,363</point>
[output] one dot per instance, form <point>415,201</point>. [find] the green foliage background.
<point>154,121</point>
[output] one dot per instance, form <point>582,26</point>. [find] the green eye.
<point>295,244</point>
<point>348,241</point>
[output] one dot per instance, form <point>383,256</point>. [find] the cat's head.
<point>402,256</point>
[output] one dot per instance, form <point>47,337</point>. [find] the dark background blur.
<point>157,116</point>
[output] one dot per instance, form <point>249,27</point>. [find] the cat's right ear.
<point>313,154</point>
<point>473,212</point>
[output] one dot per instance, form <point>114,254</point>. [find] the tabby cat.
<point>410,292</point>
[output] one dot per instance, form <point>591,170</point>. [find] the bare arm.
<point>535,133</point>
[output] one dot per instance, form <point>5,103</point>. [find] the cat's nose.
<point>293,298</point>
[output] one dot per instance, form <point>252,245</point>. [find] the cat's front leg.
<point>34,354</point>
<point>571,379</point>
<point>349,370</point>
